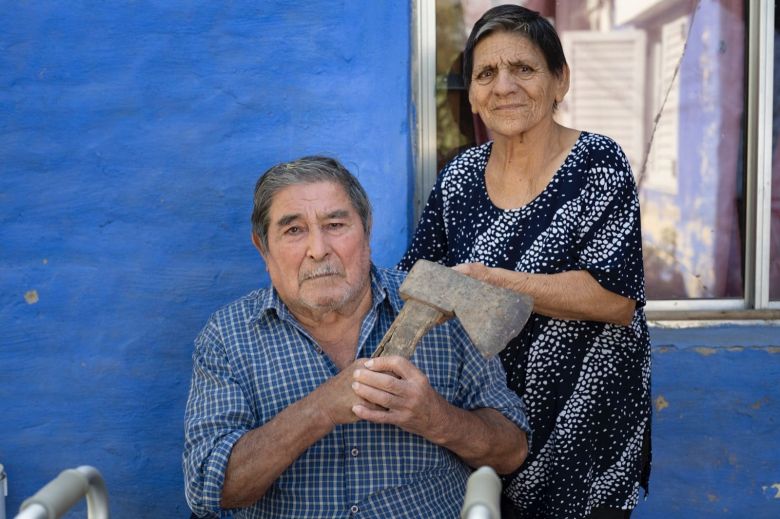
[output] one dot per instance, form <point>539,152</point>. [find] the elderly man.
<point>288,417</point>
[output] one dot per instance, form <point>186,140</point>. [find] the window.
<point>682,86</point>
<point>772,198</point>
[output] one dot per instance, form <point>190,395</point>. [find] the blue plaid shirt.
<point>253,359</point>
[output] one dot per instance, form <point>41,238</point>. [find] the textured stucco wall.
<point>717,422</point>
<point>131,135</point>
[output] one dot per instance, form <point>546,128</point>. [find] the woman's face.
<point>511,87</point>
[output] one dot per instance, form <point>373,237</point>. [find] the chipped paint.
<point>706,352</point>
<point>31,296</point>
<point>760,403</point>
<point>732,459</point>
<point>712,498</point>
<point>776,486</point>
<point>661,403</point>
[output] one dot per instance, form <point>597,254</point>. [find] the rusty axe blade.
<point>490,315</point>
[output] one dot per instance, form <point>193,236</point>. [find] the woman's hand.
<point>566,295</point>
<point>496,276</point>
<point>477,271</point>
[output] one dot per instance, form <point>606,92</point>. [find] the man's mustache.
<point>322,270</point>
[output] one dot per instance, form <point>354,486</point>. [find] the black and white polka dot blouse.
<point>586,384</point>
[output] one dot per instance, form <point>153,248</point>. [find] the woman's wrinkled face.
<point>512,88</point>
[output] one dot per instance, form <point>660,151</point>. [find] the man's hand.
<point>398,393</point>
<point>336,397</point>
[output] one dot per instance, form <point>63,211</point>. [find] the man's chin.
<point>326,300</point>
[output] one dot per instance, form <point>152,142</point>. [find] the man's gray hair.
<point>306,170</point>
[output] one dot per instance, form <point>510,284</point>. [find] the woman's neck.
<point>520,167</point>
<point>527,154</point>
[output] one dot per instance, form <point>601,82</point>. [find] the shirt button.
<point>355,451</point>
<point>354,509</point>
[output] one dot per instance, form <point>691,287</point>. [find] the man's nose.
<point>317,244</point>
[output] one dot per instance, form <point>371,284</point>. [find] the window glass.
<point>774,226</point>
<point>666,81</point>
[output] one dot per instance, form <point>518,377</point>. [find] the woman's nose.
<point>505,81</point>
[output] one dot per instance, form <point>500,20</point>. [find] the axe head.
<point>491,315</point>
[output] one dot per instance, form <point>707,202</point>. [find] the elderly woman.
<point>552,212</point>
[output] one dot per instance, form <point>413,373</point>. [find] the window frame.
<point>755,303</point>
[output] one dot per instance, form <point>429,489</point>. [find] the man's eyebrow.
<point>287,219</point>
<point>338,213</point>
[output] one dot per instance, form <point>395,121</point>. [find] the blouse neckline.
<point>544,193</point>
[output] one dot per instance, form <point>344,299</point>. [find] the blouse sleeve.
<point>430,237</point>
<point>610,245</point>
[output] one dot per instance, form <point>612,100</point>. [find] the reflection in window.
<point>774,226</point>
<point>665,80</point>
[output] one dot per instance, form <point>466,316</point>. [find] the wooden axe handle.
<point>413,321</point>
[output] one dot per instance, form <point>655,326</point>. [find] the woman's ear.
<point>471,103</point>
<point>563,85</point>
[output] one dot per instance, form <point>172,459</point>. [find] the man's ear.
<point>258,245</point>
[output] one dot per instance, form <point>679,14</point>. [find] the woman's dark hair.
<point>519,20</point>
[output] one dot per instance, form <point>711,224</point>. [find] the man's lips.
<point>327,271</point>
<point>318,276</point>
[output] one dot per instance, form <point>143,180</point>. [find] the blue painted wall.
<point>716,425</point>
<point>131,135</point>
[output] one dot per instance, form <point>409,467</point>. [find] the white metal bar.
<point>683,305</point>
<point>765,147</point>
<point>34,511</point>
<point>61,493</point>
<point>483,495</point>
<point>758,171</point>
<point>424,95</point>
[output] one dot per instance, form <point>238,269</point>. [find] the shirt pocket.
<point>441,364</point>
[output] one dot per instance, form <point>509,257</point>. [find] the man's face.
<point>318,254</point>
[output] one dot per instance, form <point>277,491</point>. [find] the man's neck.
<point>337,331</point>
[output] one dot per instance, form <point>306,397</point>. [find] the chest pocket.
<point>438,357</point>
<point>279,373</point>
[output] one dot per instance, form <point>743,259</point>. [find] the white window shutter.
<point>662,168</point>
<point>607,87</point>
